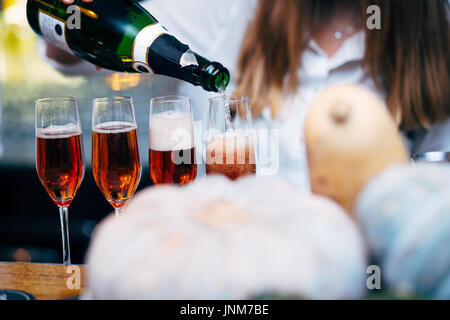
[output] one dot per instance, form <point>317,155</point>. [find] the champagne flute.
<point>172,151</point>
<point>59,156</point>
<point>116,161</point>
<point>230,148</point>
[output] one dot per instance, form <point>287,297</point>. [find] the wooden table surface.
<point>44,281</point>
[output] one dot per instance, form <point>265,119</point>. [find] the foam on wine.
<point>114,127</point>
<point>58,132</point>
<point>171,131</point>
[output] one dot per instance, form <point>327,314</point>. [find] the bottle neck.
<point>168,56</point>
<point>212,76</point>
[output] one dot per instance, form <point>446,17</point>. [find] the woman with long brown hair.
<point>284,52</point>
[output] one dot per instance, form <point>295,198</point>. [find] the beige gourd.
<point>350,138</point>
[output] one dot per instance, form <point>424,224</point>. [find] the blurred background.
<point>29,220</point>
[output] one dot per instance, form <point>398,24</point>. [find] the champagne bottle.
<point>122,36</point>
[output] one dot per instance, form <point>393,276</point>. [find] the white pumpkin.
<point>405,214</point>
<point>215,239</point>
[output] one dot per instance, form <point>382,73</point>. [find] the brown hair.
<point>408,57</point>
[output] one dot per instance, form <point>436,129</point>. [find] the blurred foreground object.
<point>405,214</point>
<point>350,138</point>
<point>216,239</point>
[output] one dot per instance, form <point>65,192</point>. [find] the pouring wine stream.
<point>228,123</point>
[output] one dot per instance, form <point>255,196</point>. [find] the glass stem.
<point>117,211</point>
<point>64,215</point>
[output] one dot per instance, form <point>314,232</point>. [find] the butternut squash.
<point>350,138</point>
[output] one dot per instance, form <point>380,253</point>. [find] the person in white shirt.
<point>283,53</point>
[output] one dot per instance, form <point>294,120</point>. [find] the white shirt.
<point>216,29</point>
